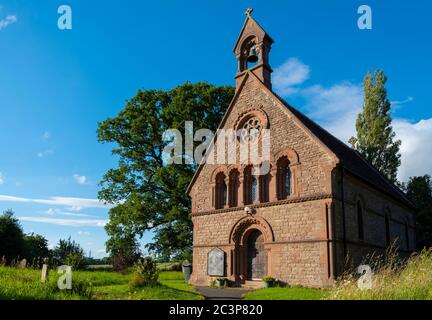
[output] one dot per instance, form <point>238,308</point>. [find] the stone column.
<point>227,188</point>
<point>213,194</point>
<point>240,191</point>
<point>243,263</point>
<point>258,190</point>
<point>273,185</point>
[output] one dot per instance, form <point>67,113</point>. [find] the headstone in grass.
<point>187,270</point>
<point>44,273</point>
<point>23,263</point>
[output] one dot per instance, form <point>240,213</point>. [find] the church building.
<point>320,203</point>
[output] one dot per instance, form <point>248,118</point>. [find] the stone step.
<point>253,284</point>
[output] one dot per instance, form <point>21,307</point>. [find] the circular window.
<point>251,130</point>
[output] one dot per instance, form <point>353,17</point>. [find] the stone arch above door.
<point>245,225</point>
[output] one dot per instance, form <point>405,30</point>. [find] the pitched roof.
<point>351,160</point>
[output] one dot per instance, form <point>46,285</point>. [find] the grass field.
<point>397,280</point>
<point>20,284</point>
<point>281,293</point>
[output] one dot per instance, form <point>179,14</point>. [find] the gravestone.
<point>44,273</point>
<point>216,263</point>
<point>187,270</point>
<point>23,263</point>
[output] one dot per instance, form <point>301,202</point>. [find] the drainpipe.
<point>343,213</point>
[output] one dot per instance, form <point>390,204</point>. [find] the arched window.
<point>254,189</point>
<point>264,187</point>
<point>360,221</point>
<point>387,227</point>
<point>221,191</point>
<point>233,188</point>
<point>251,189</point>
<point>284,179</point>
<point>287,181</point>
<point>247,185</point>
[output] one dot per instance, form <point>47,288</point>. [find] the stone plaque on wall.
<point>216,262</point>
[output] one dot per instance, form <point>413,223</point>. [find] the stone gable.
<point>285,133</point>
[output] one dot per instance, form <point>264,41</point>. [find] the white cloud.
<point>290,74</point>
<point>398,103</point>
<point>52,212</point>
<point>416,148</point>
<point>84,233</point>
<point>75,208</point>
<point>59,201</point>
<point>336,109</point>
<point>80,179</point>
<point>10,19</point>
<point>66,222</point>
<point>1,178</point>
<point>44,153</point>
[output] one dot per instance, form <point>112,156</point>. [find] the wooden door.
<point>257,259</point>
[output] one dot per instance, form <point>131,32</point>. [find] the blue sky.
<point>55,86</point>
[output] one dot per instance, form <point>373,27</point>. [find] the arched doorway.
<point>256,256</point>
<point>250,256</point>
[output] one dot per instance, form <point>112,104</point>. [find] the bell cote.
<point>252,51</point>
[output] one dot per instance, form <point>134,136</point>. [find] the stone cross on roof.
<point>248,11</point>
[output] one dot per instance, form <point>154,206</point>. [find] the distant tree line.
<point>15,246</point>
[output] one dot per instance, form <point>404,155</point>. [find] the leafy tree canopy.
<point>419,191</point>
<point>150,192</point>
<point>65,249</point>
<point>11,237</point>
<point>375,135</point>
<point>36,247</point>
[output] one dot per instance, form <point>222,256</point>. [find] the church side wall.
<point>375,205</point>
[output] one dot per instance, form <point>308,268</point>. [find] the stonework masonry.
<point>330,213</point>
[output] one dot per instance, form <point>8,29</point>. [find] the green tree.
<point>419,191</point>
<point>11,237</point>
<point>36,248</point>
<point>150,192</point>
<point>123,249</point>
<point>375,135</point>
<point>68,252</point>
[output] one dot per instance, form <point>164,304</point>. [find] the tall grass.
<point>393,280</point>
<point>25,284</point>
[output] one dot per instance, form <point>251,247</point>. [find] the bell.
<point>253,55</point>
